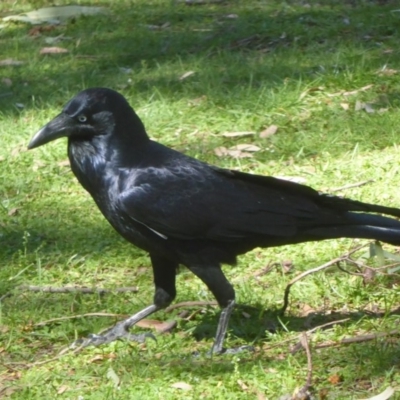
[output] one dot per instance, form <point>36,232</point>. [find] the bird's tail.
<point>365,226</point>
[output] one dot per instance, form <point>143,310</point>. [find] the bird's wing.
<point>209,203</point>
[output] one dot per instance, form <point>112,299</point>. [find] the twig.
<point>358,339</point>
<point>304,392</point>
<point>298,345</point>
<point>68,289</point>
<point>351,185</point>
<point>99,314</point>
<point>75,289</point>
<point>191,304</point>
<point>311,271</point>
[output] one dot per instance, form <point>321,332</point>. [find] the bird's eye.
<point>82,118</point>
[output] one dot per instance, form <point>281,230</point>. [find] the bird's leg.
<point>119,331</point>
<point>223,291</point>
<point>164,272</point>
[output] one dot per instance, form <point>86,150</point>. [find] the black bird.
<point>184,211</point>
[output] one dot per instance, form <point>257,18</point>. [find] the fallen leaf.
<point>18,149</point>
<point>387,72</point>
<point>7,391</point>
<point>181,385</point>
<point>271,130</point>
<point>236,134</point>
<point>112,376</point>
<point>260,396</point>
<point>246,315</point>
<point>159,326</point>
<point>54,14</point>
<point>223,151</point>
<point>335,379</point>
<point>245,147</point>
<point>349,93</point>
<point>38,30</point>
<point>63,163</point>
<point>62,389</point>
<point>186,75</point>
<point>386,394</point>
<point>53,50</point>
<point>242,385</point>
<point>9,62</point>
<point>364,106</point>
<point>13,211</point>
<point>231,16</point>
<point>345,106</point>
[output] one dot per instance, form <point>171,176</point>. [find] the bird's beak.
<point>60,126</point>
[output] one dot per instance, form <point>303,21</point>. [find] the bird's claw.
<point>117,332</point>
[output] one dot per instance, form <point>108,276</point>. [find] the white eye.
<point>82,118</point>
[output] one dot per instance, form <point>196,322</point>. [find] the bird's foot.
<point>233,350</point>
<point>117,332</point>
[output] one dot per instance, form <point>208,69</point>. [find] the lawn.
<point>303,90</point>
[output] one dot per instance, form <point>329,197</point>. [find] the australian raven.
<point>184,211</point>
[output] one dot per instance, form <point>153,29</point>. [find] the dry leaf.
<point>54,14</point>
<point>53,50</point>
<point>386,394</point>
<point>13,211</point>
<point>221,151</point>
<point>236,134</point>
<point>159,326</point>
<point>364,106</point>
<point>335,379</point>
<point>63,163</point>
<point>387,72</point>
<point>237,153</point>
<point>246,315</point>
<point>16,150</point>
<point>271,130</point>
<point>9,62</point>
<point>62,389</point>
<point>260,396</point>
<point>345,106</point>
<point>242,385</point>
<point>181,385</point>
<point>348,93</point>
<point>38,30</point>
<point>186,75</point>
<point>245,147</point>
<point>113,377</point>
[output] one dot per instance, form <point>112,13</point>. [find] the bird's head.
<point>92,113</point>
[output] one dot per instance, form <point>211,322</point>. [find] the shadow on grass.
<point>264,46</point>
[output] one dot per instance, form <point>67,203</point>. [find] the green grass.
<point>277,63</point>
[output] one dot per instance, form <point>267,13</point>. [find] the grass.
<point>281,63</point>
